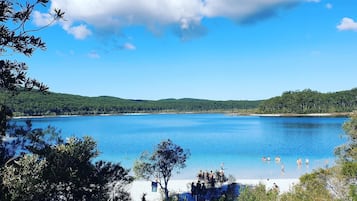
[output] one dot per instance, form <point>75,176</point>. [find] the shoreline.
<point>182,186</point>
<point>341,114</point>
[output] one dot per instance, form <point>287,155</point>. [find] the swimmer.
<point>299,162</point>
<point>282,169</point>
<point>277,159</point>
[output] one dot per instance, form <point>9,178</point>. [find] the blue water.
<point>238,142</point>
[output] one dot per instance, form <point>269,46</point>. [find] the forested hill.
<point>308,101</point>
<point>30,103</point>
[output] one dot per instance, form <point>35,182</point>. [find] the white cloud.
<point>347,24</point>
<point>79,32</point>
<point>41,19</point>
<point>112,15</point>
<point>329,6</point>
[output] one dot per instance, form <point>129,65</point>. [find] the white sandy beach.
<point>138,188</point>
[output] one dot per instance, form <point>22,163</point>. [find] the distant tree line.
<point>308,101</point>
<point>30,103</point>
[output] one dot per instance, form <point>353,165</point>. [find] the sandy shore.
<point>138,188</point>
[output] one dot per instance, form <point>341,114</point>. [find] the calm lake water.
<point>237,142</point>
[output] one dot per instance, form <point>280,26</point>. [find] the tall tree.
<point>159,166</point>
<point>36,164</point>
<point>15,39</point>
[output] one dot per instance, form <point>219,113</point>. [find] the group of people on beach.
<point>206,180</point>
<point>211,178</point>
<point>198,190</point>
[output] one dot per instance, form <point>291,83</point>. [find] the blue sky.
<point>212,49</point>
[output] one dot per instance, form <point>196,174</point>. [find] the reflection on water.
<point>238,141</point>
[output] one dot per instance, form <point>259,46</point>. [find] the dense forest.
<point>308,101</point>
<point>31,103</point>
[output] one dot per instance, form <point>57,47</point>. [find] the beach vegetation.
<point>16,39</point>
<point>314,186</point>
<point>65,171</point>
<point>347,158</point>
<point>257,193</point>
<point>161,164</point>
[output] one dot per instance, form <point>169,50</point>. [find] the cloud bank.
<point>347,24</point>
<point>185,15</point>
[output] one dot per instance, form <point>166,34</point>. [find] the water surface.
<point>237,142</point>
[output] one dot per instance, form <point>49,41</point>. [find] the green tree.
<point>159,166</point>
<point>308,101</point>
<point>36,164</point>
<point>257,193</point>
<point>66,171</point>
<point>24,179</point>
<point>15,39</point>
<point>347,154</point>
<point>312,187</point>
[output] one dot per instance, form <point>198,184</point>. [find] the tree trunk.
<point>166,194</point>
<point>166,191</point>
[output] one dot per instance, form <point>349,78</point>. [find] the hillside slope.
<point>308,101</point>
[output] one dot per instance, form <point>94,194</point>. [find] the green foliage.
<point>71,161</point>
<point>65,171</point>
<point>15,38</point>
<point>300,193</point>
<point>348,152</point>
<point>30,103</point>
<point>143,167</point>
<point>36,164</point>
<point>257,193</point>
<point>24,179</point>
<point>349,169</point>
<point>353,191</point>
<point>312,187</point>
<point>308,101</point>
<point>166,158</point>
